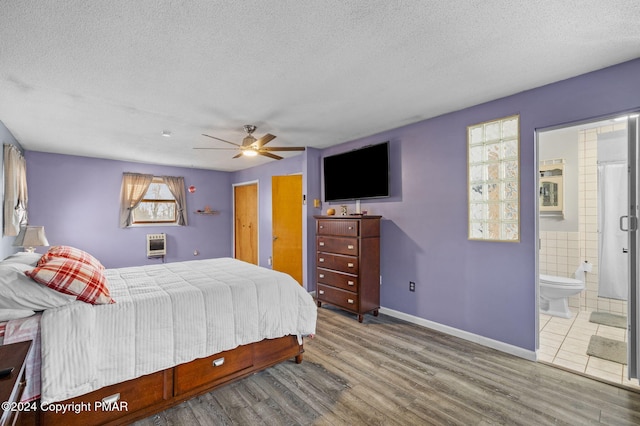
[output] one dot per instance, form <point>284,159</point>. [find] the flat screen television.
<point>358,174</point>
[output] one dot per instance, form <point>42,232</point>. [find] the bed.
<point>152,336</point>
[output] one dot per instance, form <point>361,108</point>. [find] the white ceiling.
<point>105,78</point>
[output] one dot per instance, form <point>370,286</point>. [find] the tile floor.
<point>564,342</point>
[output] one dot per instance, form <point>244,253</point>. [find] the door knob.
<point>275,238</point>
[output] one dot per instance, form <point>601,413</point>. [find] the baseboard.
<point>484,341</point>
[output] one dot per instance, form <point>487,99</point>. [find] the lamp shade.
<point>30,237</point>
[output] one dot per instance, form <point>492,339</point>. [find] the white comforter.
<point>166,315</point>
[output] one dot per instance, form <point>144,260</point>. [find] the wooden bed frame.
<point>144,396</point>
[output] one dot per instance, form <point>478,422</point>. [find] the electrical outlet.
<point>412,286</point>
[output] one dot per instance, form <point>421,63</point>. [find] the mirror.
<point>551,187</point>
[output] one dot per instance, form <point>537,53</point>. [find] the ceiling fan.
<point>252,146</point>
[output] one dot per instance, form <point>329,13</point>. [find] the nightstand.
<point>14,356</point>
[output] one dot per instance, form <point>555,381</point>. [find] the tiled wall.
<point>561,252</point>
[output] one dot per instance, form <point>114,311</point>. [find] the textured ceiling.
<point>105,78</point>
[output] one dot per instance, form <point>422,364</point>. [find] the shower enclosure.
<point>613,248</point>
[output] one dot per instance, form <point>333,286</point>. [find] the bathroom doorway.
<point>583,203</point>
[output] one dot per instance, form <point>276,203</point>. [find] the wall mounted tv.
<point>358,174</point>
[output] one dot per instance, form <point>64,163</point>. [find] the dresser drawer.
<point>338,245</point>
<point>348,264</point>
<point>338,297</point>
<point>204,371</point>
<point>346,227</point>
<point>111,402</point>
<point>337,279</point>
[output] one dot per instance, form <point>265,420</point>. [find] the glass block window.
<point>494,180</point>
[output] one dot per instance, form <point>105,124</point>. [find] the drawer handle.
<point>350,283</point>
<point>350,246</point>
<point>321,275</point>
<point>111,399</point>
<point>350,265</point>
<point>218,362</point>
<point>351,227</point>
<point>321,243</point>
<point>321,259</point>
<point>320,291</point>
<point>350,301</point>
<point>321,226</point>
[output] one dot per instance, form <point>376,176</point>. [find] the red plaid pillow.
<point>75,278</point>
<point>70,253</point>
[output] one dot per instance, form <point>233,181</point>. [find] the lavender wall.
<point>311,184</point>
<point>485,288</point>
<point>6,247</point>
<point>77,200</point>
<point>262,174</point>
<point>308,163</point>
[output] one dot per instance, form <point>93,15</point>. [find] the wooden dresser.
<point>348,263</point>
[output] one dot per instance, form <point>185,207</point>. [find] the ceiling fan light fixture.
<point>250,152</point>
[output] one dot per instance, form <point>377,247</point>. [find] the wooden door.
<point>245,207</point>
<point>286,198</point>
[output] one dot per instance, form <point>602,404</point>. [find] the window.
<point>145,198</point>
<point>494,180</point>
<point>158,205</point>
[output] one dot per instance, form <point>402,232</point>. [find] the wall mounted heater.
<point>156,245</point>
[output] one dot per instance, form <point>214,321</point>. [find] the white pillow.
<point>23,257</point>
<point>11,314</point>
<point>18,291</point>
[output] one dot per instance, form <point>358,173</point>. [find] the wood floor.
<point>389,372</point>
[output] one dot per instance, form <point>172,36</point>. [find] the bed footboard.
<point>141,397</point>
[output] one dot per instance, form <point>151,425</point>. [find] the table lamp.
<point>30,237</point>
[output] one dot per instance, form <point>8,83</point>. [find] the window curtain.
<point>176,186</point>
<point>134,186</point>
<point>15,190</point>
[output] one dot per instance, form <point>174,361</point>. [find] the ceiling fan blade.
<point>268,154</point>
<point>283,148</point>
<point>238,155</point>
<point>264,140</point>
<point>222,140</point>
<point>226,149</point>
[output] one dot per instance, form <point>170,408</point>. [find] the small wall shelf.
<point>207,212</point>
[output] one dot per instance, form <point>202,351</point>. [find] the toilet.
<point>555,291</point>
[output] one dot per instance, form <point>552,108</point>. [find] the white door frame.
<point>233,214</point>
<point>633,305</point>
